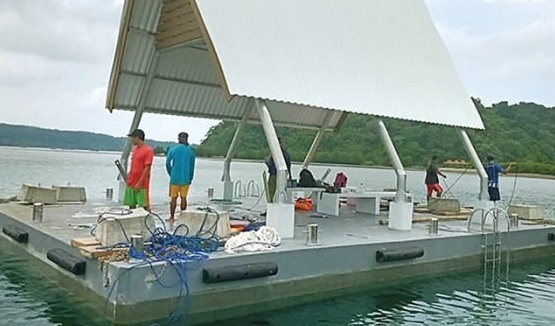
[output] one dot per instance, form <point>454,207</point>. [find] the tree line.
<point>522,133</point>
<point>27,136</point>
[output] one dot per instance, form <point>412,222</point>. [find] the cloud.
<point>56,57</point>
<point>74,31</point>
<point>55,61</point>
<point>513,60</point>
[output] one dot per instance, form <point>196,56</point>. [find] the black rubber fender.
<point>384,255</point>
<point>67,261</point>
<point>238,272</point>
<point>16,233</point>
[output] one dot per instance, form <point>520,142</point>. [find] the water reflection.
<point>455,300</point>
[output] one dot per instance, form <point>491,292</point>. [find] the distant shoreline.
<point>380,167</point>
<point>525,175</point>
<point>77,150</point>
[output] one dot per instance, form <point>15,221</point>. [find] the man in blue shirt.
<point>180,165</point>
<point>493,169</point>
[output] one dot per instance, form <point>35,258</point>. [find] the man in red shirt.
<point>138,178</point>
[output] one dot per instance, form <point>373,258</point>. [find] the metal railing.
<point>251,189</point>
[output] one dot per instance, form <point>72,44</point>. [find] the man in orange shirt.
<point>138,178</point>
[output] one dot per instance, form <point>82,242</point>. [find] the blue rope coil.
<point>178,250</point>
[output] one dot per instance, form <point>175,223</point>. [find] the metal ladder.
<point>496,248</point>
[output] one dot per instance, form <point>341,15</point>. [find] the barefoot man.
<point>180,164</point>
<point>432,179</point>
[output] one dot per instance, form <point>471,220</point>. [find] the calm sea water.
<point>27,297</point>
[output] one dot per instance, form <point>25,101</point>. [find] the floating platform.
<point>355,252</point>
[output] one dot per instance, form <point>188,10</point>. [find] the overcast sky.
<point>56,56</point>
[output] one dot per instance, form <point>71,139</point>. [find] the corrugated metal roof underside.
<point>177,24</point>
<point>378,57</point>
<point>186,82</point>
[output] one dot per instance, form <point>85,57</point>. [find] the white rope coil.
<point>266,238</point>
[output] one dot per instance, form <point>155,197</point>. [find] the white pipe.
<point>400,196</point>
<point>137,117</point>
<point>127,147</point>
<point>316,141</point>
<point>477,164</point>
<point>275,149</point>
<point>232,147</point>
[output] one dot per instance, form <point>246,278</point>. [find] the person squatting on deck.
<point>138,178</point>
<point>493,169</point>
<point>272,171</point>
<point>180,165</point>
<point>432,179</point>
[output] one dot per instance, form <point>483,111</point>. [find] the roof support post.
<point>226,178</point>
<point>275,149</point>
<point>400,196</point>
<point>482,196</point>
<point>316,141</point>
<point>137,119</point>
<point>401,208</point>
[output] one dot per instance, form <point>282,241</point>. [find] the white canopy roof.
<point>313,60</point>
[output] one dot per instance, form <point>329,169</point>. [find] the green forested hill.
<point>523,133</point>
<point>26,136</point>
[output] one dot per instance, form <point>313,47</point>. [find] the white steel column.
<point>477,164</point>
<point>226,178</point>
<point>396,161</point>
<point>316,141</point>
<point>401,208</point>
<point>275,149</point>
<point>137,120</point>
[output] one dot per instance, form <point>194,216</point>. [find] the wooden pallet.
<point>443,214</point>
<point>536,222</point>
<point>421,209</point>
<point>82,242</point>
<point>91,248</point>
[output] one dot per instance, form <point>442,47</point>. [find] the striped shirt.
<point>493,169</point>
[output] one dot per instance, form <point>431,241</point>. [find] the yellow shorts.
<point>178,191</point>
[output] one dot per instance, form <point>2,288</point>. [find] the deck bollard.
<point>514,220</point>
<point>109,193</point>
<point>312,235</point>
<point>434,223</point>
<point>137,241</point>
<point>37,212</point>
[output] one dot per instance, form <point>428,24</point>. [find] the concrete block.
<point>328,204</point>
<point>400,216</point>
<point>110,230</point>
<point>65,194</point>
<point>33,194</point>
<point>526,212</point>
<point>282,218</point>
<point>207,223</point>
<point>444,205</point>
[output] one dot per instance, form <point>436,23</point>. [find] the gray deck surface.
<point>350,228</point>
<point>346,259</point>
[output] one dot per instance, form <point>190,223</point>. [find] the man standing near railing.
<point>493,169</point>
<point>180,165</point>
